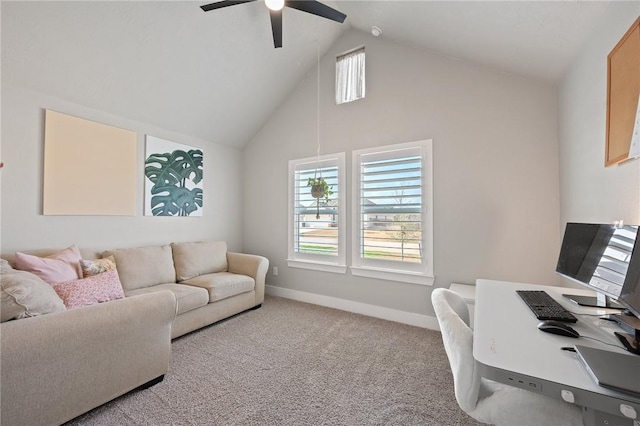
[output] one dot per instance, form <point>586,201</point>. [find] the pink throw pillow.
<point>90,291</point>
<point>59,267</point>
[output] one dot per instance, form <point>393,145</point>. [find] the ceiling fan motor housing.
<point>275,10</point>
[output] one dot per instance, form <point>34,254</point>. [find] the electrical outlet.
<point>275,271</point>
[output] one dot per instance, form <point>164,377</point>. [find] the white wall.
<point>23,225</point>
<point>589,191</point>
<point>495,167</point>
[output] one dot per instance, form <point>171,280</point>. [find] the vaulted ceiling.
<point>216,75</point>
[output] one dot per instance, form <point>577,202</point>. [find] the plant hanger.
<point>319,187</point>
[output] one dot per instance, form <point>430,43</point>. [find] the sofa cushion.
<point>91,290</point>
<point>222,284</point>
<point>61,266</point>
<point>199,258</point>
<point>144,266</point>
<point>188,297</point>
<point>23,294</point>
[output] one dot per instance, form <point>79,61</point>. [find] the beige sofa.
<point>57,366</point>
<point>209,282</point>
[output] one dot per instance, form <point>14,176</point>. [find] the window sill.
<point>317,266</point>
<point>393,275</point>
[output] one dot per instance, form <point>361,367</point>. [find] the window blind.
<point>315,221</point>
<point>391,206</point>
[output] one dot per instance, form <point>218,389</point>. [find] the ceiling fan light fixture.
<point>313,7</point>
<point>274,4</point>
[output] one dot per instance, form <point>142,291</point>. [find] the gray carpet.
<point>292,363</point>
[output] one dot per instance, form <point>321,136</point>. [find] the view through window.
<point>316,219</point>
<point>393,214</point>
<point>317,225</point>
<point>391,208</point>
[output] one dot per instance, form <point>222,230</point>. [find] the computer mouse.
<point>558,327</point>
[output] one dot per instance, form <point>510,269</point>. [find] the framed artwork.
<point>173,179</point>
<point>623,96</point>
<point>89,168</point>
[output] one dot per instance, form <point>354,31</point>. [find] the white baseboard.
<point>410,318</point>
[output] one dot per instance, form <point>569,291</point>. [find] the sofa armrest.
<point>252,265</point>
<point>58,366</point>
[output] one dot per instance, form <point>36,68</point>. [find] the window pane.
<point>316,220</point>
<point>391,208</point>
<point>350,76</point>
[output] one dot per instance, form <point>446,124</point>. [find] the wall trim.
<point>410,318</point>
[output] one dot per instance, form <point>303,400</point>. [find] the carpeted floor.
<point>291,363</point>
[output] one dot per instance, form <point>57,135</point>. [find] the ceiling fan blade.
<point>276,27</point>
<point>223,3</point>
<point>316,8</point>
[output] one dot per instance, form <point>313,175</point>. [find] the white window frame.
<point>351,76</point>
<point>415,273</point>
<point>318,262</point>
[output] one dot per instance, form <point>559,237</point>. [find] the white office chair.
<point>482,399</point>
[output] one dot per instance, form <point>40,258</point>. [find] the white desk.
<point>510,349</point>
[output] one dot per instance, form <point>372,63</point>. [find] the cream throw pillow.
<point>23,294</point>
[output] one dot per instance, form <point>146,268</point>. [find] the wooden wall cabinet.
<point>623,90</point>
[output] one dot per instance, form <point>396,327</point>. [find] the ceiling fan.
<point>275,10</point>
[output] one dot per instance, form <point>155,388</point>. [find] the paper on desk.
<point>634,149</point>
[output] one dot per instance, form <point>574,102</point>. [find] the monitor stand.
<point>629,342</point>
<point>598,301</point>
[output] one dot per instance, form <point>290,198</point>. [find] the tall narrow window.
<point>393,213</point>
<point>350,81</point>
<point>316,225</point>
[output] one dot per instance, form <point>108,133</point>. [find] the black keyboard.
<point>545,307</point>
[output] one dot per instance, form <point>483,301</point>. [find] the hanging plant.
<point>319,189</point>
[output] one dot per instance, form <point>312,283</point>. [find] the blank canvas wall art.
<point>89,168</point>
<point>173,178</point>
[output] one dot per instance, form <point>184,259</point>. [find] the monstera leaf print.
<point>189,163</point>
<point>160,170</point>
<point>191,201</point>
<point>175,201</point>
<point>171,174</point>
<point>171,168</point>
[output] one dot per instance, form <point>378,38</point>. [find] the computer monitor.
<point>629,320</point>
<point>597,256</point>
<point>630,293</point>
